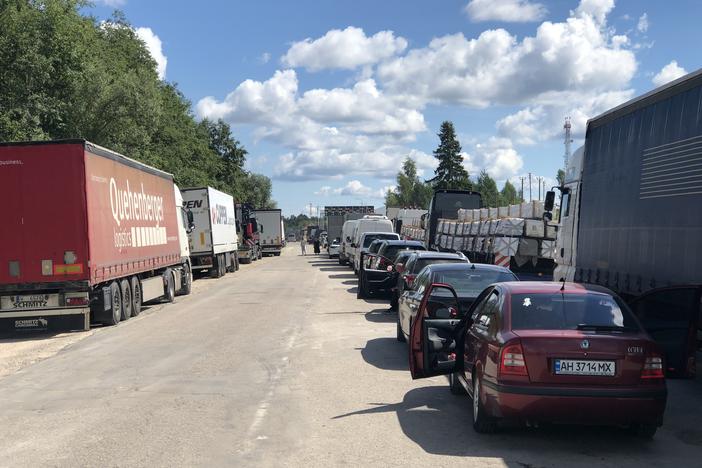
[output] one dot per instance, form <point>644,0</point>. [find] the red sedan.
<point>543,352</point>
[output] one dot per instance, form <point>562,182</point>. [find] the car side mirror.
<point>550,200</point>
<point>191,221</point>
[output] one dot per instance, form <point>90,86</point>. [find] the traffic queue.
<point>525,352</point>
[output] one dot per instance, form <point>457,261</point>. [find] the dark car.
<point>381,275</point>
<point>373,248</point>
<point>467,279</point>
<point>536,352</point>
<point>416,261</point>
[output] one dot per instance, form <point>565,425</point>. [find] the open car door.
<point>432,349</point>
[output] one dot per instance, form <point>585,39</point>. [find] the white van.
<point>346,238</point>
<point>369,223</point>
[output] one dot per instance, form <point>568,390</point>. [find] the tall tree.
<point>508,195</point>
<point>487,187</point>
<point>450,173</point>
<point>560,177</point>
<point>410,191</point>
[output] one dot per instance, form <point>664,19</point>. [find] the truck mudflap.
<point>65,319</point>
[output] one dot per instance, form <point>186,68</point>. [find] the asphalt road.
<point>280,365</point>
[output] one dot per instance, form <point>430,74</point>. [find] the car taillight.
<point>77,301</point>
<point>652,368</point>
<point>512,360</point>
<point>409,279</point>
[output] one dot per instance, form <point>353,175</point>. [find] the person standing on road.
<point>303,241</point>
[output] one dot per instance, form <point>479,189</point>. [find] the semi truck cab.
<point>566,241</point>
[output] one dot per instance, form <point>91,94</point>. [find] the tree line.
<point>68,75</point>
<point>412,192</point>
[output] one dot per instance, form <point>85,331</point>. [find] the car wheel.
<point>136,296</point>
<point>341,262</point>
<point>126,291</point>
<point>394,302</point>
<point>116,299</point>
<point>455,385</point>
<point>187,281</point>
<point>482,423</point>
<point>644,431</point>
<point>400,336</point>
<point>168,286</point>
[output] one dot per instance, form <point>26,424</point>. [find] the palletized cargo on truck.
<point>87,234</point>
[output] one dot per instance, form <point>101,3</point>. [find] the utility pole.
<point>568,140</point>
<point>521,192</point>
<point>540,179</point>
<point>530,196</point>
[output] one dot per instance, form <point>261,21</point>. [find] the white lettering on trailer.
<point>139,206</point>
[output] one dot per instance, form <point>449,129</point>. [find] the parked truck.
<point>247,230</point>
<point>270,230</point>
<point>213,241</point>
<point>88,235</point>
<point>631,214</point>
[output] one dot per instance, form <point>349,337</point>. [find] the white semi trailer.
<point>270,231</point>
<point>213,241</point>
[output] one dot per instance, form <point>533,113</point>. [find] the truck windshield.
<point>541,311</point>
<point>446,205</point>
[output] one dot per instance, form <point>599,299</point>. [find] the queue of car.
<point>525,352</point>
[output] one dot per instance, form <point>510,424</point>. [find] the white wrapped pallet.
<point>510,227</point>
<point>551,232</point>
<point>484,214</point>
<point>440,226</point>
<point>475,228</point>
<point>476,214</point>
<point>548,249</point>
<point>492,213</point>
<point>484,228</point>
<point>468,215</point>
<point>461,214</point>
<point>493,226</point>
<point>506,246</point>
<point>461,229</point>
<point>515,211</point>
<point>503,212</point>
<point>468,244</point>
<point>533,209</point>
<point>534,228</point>
<point>458,243</point>
<point>528,247</point>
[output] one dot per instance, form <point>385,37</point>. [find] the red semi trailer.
<point>87,235</point>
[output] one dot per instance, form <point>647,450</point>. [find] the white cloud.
<point>355,189</point>
<point>153,43</point>
<point>596,9</point>
<point>345,49</point>
<point>113,3</point>
<point>517,11</point>
<point>496,156</point>
<point>264,58</point>
<point>642,25</point>
<point>668,73</point>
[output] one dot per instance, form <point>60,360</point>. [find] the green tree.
<point>232,156</point>
<point>560,177</point>
<point>487,187</point>
<point>508,195</point>
<point>410,191</point>
<point>257,190</point>
<point>450,173</point>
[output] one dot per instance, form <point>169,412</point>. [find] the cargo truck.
<point>631,214</point>
<point>247,229</point>
<point>270,231</point>
<point>88,235</point>
<point>213,241</point>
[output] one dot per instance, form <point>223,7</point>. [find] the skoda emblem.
<point>585,344</point>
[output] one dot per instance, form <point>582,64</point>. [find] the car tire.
<point>455,385</point>
<point>187,281</point>
<point>394,301</point>
<point>482,423</point>
<point>341,262</point>
<point>643,431</point>
<point>361,290</point>
<point>400,336</point>
<point>168,286</point>
<point>136,296</point>
<point>216,270</point>
<point>116,304</point>
<point>126,291</point>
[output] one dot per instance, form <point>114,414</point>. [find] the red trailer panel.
<point>43,217</point>
<point>132,217</point>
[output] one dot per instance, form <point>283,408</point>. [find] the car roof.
<point>553,287</point>
<point>430,254</point>
<point>466,266</point>
<point>404,243</point>
<point>369,233</point>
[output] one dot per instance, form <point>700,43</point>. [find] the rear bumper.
<point>619,406</point>
<point>75,318</point>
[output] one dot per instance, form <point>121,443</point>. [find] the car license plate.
<point>583,367</point>
<point>33,301</point>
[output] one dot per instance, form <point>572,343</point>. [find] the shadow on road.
<point>343,276</point>
<point>440,423</point>
<point>331,268</point>
<point>386,354</point>
<point>381,316</point>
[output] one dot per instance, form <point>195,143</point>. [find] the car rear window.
<point>422,262</point>
<point>392,251</point>
<point>471,282</point>
<point>371,237</point>
<point>569,312</point>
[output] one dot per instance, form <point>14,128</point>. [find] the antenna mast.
<point>567,142</point>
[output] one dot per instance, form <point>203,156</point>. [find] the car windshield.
<point>375,246</point>
<point>392,251</point>
<point>470,282</point>
<point>569,312</point>
<point>371,237</point>
<point>446,205</point>
<point>422,262</point>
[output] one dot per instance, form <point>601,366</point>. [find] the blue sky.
<point>329,97</point>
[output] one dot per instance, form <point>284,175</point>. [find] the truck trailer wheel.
<point>116,306</point>
<point>216,270</point>
<point>126,291</point>
<point>236,261</point>
<point>231,265</point>
<point>168,286</point>
<point>245,260</point>
<point>136,296</point>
